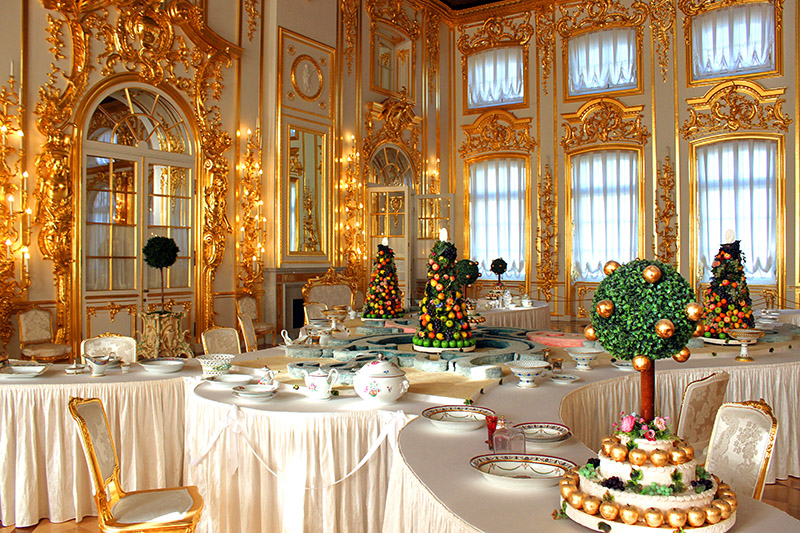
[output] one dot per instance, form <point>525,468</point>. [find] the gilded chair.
<point>221,340</point>
<point>741,446</point>
<point>36,337</point>
<point>247,306</point>
<point>331,289</point>
<point>174,509</point>
<point>314,311</point>
<point>110,344</point>
<point>248,333</point>
<point>701,401</point>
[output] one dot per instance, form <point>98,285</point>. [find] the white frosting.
<point>650,473</point>
<point>650,445</point>
<point>643,501</point>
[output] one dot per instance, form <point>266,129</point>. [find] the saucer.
<point>564,379</point>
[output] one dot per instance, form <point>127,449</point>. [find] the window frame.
<point>465,81</point>
<point>709,6</point>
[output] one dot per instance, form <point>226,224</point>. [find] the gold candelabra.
<point>251,219</point>
<point>355,249</point>
<point>15,223</point>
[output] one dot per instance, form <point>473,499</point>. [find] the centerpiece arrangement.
<point>443,316</point>
<point>727,299</point>
<point>645,476</point>
<point>384,297</point>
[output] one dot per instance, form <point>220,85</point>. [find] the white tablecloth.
<point>528,318</point>
<point>43,471</point>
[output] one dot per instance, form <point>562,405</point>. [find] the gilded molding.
<point>604,120</point>
<point>736,105</point>
<point>496,131</point>
<point>355,243</point>
<point>141,41</point>
<point>350,10</point>
<point>666,248</point>
<point>496,31</point>
<point>545,40</point>
<point>391,12</point>
<point>547,235</point>
<point>250,264</point>
<point>253,17</point>
<point>598,14</point>
<point>662,20</point>
<point>432,21</point>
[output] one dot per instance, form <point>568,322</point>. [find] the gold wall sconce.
<point>251,220</point>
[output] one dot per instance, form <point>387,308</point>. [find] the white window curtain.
<point>736,190</point>
<point>734,40</point>
<point>605,214</point>
<point>495,77</point>
<point>602,60</point>
<point>497,215</point>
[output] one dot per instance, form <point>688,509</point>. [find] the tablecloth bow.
<point>391,424</point>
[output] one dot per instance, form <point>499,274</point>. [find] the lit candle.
<point>8,248</point>
<point>11,69</point>
<point>25,181</point>
<point>10,202</point>
<point>25,258</point>
<point>443,234</point>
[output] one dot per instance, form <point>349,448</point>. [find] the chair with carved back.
<point>702,399</point>
<point>741,445</point>
<point>36,336</point>
<point>314,311</point>
<point>221,340</point>
<point>110,344</point>
<point>247,305</point>
<point>248,333</point>
<point>174,509</point>
<point>331,289</point>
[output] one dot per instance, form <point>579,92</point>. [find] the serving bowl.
<point>528,371</point>
<point>583,356</point>
<point>162,366</point>
<point>215,364</point>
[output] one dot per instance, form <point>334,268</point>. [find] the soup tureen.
<point>380,381</point>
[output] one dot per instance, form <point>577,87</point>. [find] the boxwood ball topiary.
<point>160,252</point>
<point>648,312</point>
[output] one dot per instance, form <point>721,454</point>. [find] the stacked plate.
<point>255,393</point>
<point>229,381</point>
<point>457,417</point>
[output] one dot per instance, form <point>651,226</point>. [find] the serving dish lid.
<point>381,368</point>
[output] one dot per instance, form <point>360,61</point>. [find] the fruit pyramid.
<point>383,298</point>
<point>727,298</point>
<point>443,319</point>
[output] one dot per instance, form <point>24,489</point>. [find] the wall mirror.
<point>392,56</point>
<point>306,197</point>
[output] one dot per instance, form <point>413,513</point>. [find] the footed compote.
<point>583,356</point>
<point>746,337</point>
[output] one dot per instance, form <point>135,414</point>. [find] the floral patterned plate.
<point>521,470</point>
<point>457,417</point>
<point>544,431</point>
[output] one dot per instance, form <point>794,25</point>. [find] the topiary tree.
<point>160,252</point>
<point>727,298</point>
<point>383,294</point>
<point>467,273</point>
<point>499,267</point>
<point>644,311</point>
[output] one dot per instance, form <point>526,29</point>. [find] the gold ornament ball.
<point>683,355</point>
<point>653,517</point>
<point>698,330</point>
<point>732,502</point>
<point>566,481</point>
<point>629,514</point>
<point>659,457</point>
<point>726,493</point>
<point>676,518</point>
<point>713,514</point>
<point>677,455</point>
<point>651,274</point>
<point>723,486</point>
<point>642,363</point>
<point>723,506</point>
<point>566,490</point>
<point>605,308</point>
<point>695,516</point>
<point>575,499</point>
<point>665,328</point>
<point>609,510</point>
<point>694,311</point>
<point>610,267</point>
<point>637,456</point>
<point>688,449</point>
<point>589,333</point>
<point>619,452</point>
<point>591,504</point>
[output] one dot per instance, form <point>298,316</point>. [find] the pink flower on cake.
<point>650,434</point>
<point>628,423</point>
<point>660,423</point>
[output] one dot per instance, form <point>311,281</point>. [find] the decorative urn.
<point>380,381</point>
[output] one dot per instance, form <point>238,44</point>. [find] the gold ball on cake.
<point>683,355</point>
<point>695,516</point>
<point>591,504</point>
<point>605,308</point>
<point>575,499</point>
<point>688,449</point>
<point>665,328</point>
<point>589,333</point>
<point>609,510</point>
<point>651,274</point>
<point>610,267</point>
<point>723,486</point>
<point>629,514</point>
<point>713,514</point>
<point>698,330</point>
<point>732,502</point>
<point>726,493</point>
<point>637,457</point>
<point>677,456</point>
<point>653,517</point>
<point>723,506</point>
<point>694,311</point>
<point>642,363</point>
<point>568,489</point>
<point>676,518</point>
<point>619,452</point>
<point>659,457</point>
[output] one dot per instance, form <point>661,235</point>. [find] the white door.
<point>389,218</point>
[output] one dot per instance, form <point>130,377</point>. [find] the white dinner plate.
<point>255,391</point>
<point>229,381</point>
<point>544,431</point>
<point>564,379</point>
<point>16,369</point>
<point>255,398</point>
<point>521,470</point>
<point>457,417</point>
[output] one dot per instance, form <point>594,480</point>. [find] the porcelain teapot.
<point>380,381</point>
<point>319,383</point>
<point>266,376</point>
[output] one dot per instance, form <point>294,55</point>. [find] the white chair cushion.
<point>156,506</point>
<point>38,351</point>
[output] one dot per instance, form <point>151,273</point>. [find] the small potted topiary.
<point>499,267</point>
<point>160,252</point>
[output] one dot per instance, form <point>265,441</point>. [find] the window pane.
<point>605,214</point>
<point>736,190</point>
<point>497,215</point>
<point>97,274</point>
<point>602,61</point>
<point>97,239</point>
<point>124,241</point>
<point>495,77</point>
<point>179,274</point>
<point>734,40</point>
<point>124,274</point>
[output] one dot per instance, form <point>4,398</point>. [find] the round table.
<point>43,470</point>
<point>535,317</point>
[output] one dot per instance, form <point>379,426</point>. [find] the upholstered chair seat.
<point>47,351</point>
<point>154,506</point>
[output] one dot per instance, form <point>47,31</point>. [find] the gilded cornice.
<point>496,31</point>
<point>736,105</point>
<point>604,120</point>
<point>497,131</point>
<point>598,14</point>
<point>391,12</point>
<point>662,20</point>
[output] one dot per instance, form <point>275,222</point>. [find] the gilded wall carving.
<point>350,10</point>
<point>140,40</point>
<point>496,131</point>
<point>547,235</point>
<point>432,20</point>
<point>306,75</point>
<point>662,21</point>
<point>733,106</point>
<point>545,40</point>
<point>253,17</point>
<point>250,264</point>
<point>666,247</point>
<point>391,12</point>
<point>597,14</point>
<point>399,126</point>
<point>604,120</point>
<point>495,31</point>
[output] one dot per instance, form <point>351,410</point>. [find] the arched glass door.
<point>138,181</point>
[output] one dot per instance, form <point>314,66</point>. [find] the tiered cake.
<point>644,477</point>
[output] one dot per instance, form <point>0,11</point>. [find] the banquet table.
<point>535,317</point>
<point>43,470</point>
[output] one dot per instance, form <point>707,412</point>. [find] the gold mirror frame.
<point>693,8</point>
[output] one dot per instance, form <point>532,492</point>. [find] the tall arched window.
<point>138,181</point>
